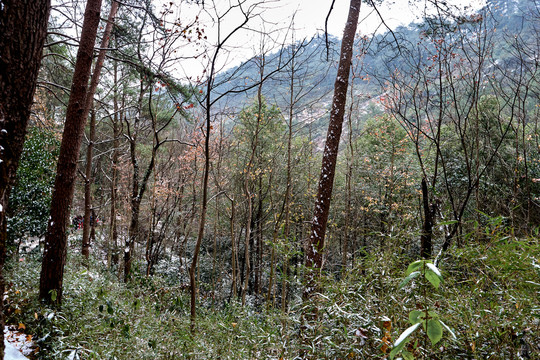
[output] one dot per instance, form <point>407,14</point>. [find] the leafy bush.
<point>30,198</point>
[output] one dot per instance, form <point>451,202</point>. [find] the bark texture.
<point>54,255</point>
<point>23,28</point>
<point>315,246</point>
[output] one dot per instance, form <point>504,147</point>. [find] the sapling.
<point>428,318</point>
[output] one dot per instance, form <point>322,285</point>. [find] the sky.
<point>307,17</point>
<point>276,19</point>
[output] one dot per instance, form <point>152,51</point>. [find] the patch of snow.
<point>433,268</point>
<point>17,344</point>
<point>73,355</point>
<point>12,353</point>
<point>406,334</point>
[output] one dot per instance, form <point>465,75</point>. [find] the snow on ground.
<point>12,353</point>
<point>17,344</point>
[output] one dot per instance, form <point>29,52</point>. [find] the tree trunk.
<point>202,220</point>
<point>233,250</point>
<point>133,233</point>
<point>89,102</point>
<point>287,230</point>
<point>54,255</point>
<point>112,248</point>
<point>259,241</point>
<point>23,25</point>
<point>150,239</point>
<point>247,265</point>
<point>88,188</point>
<point>138,187</point>
<point>315,248</point>
<point>348,182</point>
<point>427,228</point>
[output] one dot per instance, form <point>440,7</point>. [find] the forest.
<point>166,194</point>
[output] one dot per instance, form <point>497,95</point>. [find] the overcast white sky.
<point>275,16</point>
<point>311,14</point>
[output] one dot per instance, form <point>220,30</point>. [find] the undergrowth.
<point>490,298</point>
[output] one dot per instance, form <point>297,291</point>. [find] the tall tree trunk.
<point>348,182</point>
<point>112,247</point>
<point>138,186</point>
<point>315,248</point>
<point>23,25</point>
<point>133,233</point>
<point>247,265</point>
<point>208,127</point>
<point>259,241</point>
<point>214,255</point>
<point>89,104</point>
<point>247,191</point>
<point>287,230</point>
<point>233,250</point>
<point>88,188</point>
<point>202,219</point>
<point>54,255</point>
<point>204,204</point>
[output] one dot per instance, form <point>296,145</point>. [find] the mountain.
<point>315,62</point>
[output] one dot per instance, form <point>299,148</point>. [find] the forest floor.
<point>18,344</point>
<point>489,298</point>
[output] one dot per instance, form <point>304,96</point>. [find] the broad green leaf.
<point>411,276</point>
<point>397,349</point>
<point>433,315</point>
<point>434,331</point>
<point>414,316</point>
<point>407,355</point>
<point>54,295</point>
<point>415,266</point>
<point>433,278</point>
<point>403,340</point>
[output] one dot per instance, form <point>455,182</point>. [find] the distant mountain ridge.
<point>316,69</point>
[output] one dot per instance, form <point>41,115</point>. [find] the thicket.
<point>489,298</point>
<point>439,160</point>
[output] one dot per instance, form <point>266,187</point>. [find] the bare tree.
<point>207,129</point>
<point>151,65</point>
<point>437,97</point>
<point>88,105</point>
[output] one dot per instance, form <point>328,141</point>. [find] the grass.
<point>490,298</point>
